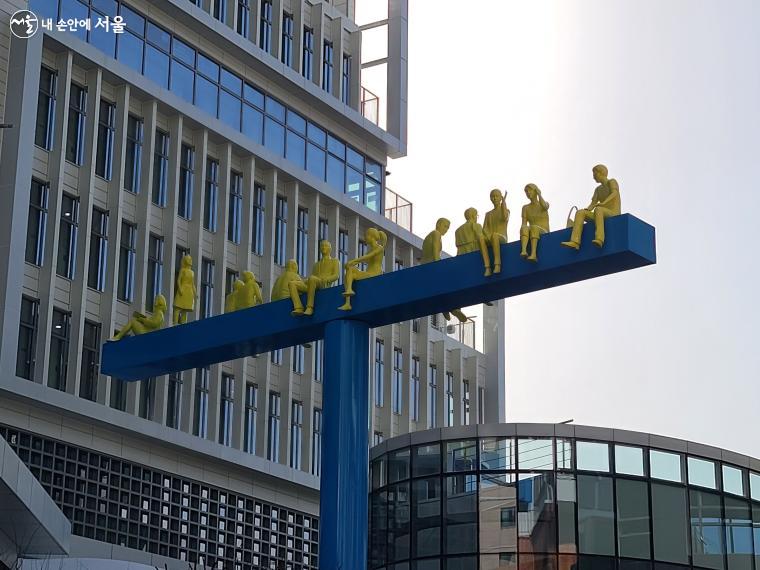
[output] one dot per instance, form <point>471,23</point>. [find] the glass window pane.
<point>378,473</point>
<point>104,40</point>
<point>130,51</point>
<point>706,531</point>
<point>206,95</point>
<point>354,182</point>
<point>158,37</point>
<point>596,518</point>
<point>208,67</point>
<point>275,109</point>
<point>498,513</point>
<point>398,465</point>
<point>374,170</point>
<point>229,109</point>
<point>701,472</point>
<point>231,82</point>
<point>460,455</point>
<point>296,122</point>
<point>535,454</point>
<point>633,518</point>
<point>336,147</point>
<point>253,95</point>
<point>133,20</point>
<point>371,194</point>
<point>733,480</point>
<point>756,533</point>
<point>592,456</point>
<point>666,466</point>
<point>497,453</point>
<point>426,517</point>
<point>539,562</point>
<point>754,486</point>
<point>295,149</point>
<point>629,460</point>
<point>253,123</point>
<point>670,524</point>
<point>71,9</point>
<point>316,134</point>
<point>355,159</point>
<point>183,52</point>
<point>315,161</point>
<point>427,460</point>
<point>738,523</point>
<point>398,521</point>
<point>274,136</point>
<point>156,66</point>
<point>461,514</point>
<point>501,561</point>
<point>379,528</point>
<point>336,173</point>
<point>536,527</point>
<point>566,503</point>
<point>182,81</point>
<point>107,7</point>
<point>564,454</point>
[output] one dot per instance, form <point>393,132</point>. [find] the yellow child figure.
<point>184,291</point>
<point>431,251</point>
<point>250,293</point>
<point>376,240</point>
<point>281,288</point>
<point>495,228</point>
<point>140,324</point>
<point>604,203</point>
<point>469,237</point>
<point>324,273</point>
<point>535,221</point>
<point>231,300</point>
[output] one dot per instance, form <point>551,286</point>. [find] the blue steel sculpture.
<point>385,299</point>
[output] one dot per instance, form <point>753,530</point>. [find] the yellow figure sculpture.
<point>184,291</point>
<point>431,251</point>
<point>535,221</point>
<point>281,288</point>
<point>324,273</point>
<point>604,203</point>
<point>469,237</point>
<point>376,240</point>
<point>231,300</point>
<point>249,294</point>
<point>140,324</point>
<point>495,228</point>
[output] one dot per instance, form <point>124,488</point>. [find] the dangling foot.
<point>497,268</point>
<point>598,242</point>
<point>297,312</point>
<point>487,272</point>
<point>571,245</point>
<point>533,258</point>
<point>345,306</point>
<point>447,315</point>
<point>309,311</point>
<point>460,315</point>
<point>523,254</point>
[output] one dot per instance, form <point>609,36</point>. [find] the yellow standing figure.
<point>535,222</point>
<point>495,228</point>
<point>469,237</point>
<point>140,324</point>
<point>184,291</point>
<point>281,288</point>
<point>232,298</point>
<point>604,203</point>
<point>431,251</point>
<point>249,294</point>
<point>376,240</point>
<point>324,273</point>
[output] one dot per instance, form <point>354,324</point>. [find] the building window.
<point>127,261</point>
<point>397,381</point>
<point>286,54</point>
<point>281,231</point>
<point>27,337</point>
<point>235,221</point>
<point>96,268</point>
<point>67,237</point>
<point>414,390</point>
<point>345,92</point>
<point>230,276</point>
<point>225,409</point>
<point>155,269</point>
<point>273,438</point>
<point>316,443</point>
<point>481,405</point>
<point>362,250</point>
<point>324,229</point>
<point>133,159</point>
<point>257,223</point>
<point>118,399</point>
<point>37,222</point>
<point>432,398</point>
<point>319,360</point>
<point>174,400</point>
<point>276,356</point>
<point>59,350</point>
<point>377,438</point>
<point>307,60</point>
<point>415,325</point>
<point>465,402</point>
<point>220,10</point>
<point>449,389</point>
<point>296,434</point>
<point>299,356</point>
<point>211,197</point>
<point>45,127</point>
<point>200,419</point>
<point>243,17</point>
<point>76,124</point>
<point>379,372</point>
<point>398,264</point>
<point>327,66</point>
<point>147,398</point>
<point>160,168</point>
<point>207,288</point>
<point>342,253</point>
<point>265,29</point>
<point>302,240</point>
<point>251,412</point>
<point>106,130</point>
<point>185,198</point>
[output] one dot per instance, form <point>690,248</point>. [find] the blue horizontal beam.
<point>390,298</point>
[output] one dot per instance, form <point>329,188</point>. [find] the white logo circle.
<point>24,24</point>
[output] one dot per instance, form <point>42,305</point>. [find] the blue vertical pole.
<point>345,449</point>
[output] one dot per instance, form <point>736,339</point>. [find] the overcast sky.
<point>667,95</point>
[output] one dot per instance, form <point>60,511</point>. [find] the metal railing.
<point>370,106</point>
<point>462,332</point>
<point>398,209</point>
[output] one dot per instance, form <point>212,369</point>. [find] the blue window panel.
<point>157,66</point>
<point>107,7</point>
<point>274,136</point>
<point>229,109</point>
<point>296,122</point>
<point>355,159</point>
<point>275,109</point>
<point>44,8</point>
<point>253,123</point>
<point>158,37</point>
<point>231,82</point>
<point>336,147</point>
<point>130,51</point>
<point>371,194</point>
<point>296,148</point>
<point>104,40</point>
<point>336,173</point>
<point>206,95</point>
<point>182,81</point>
<point>316,135</point>
<point>253,96</point>
<point>134,21</point>
<point>208,67</point>
<point>354,183</point>
<point>374,170</point>
<point>315,161</point>
<point>183,52</point>
<point>72,9</point>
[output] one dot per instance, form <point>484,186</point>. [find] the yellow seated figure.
<point>431,251</point>
<point>249,294</point>
<point>184,291</point>
<point>535,222</point>
<point>376,240</point>
<point>232,298</point>
<point>141,324</point>
<point>604,203</point>
<point>281,288</point>
<point>324,273</point>
<point>469,237</point>
<point>495,228</point>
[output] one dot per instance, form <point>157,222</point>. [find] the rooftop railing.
<point>398,209</point>
<point>370,106</point>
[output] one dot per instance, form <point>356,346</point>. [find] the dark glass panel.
<point>336,173</point>
<point>274,136</point>
<point>130,51</point>
<point>596,563</point>
<point>426,517</point>
<point>336,147</point>
<point>707,544</point>
<point>461,514</point>
<point>669,524</point>
<point>398,522</point>
<point>355,159</point>
<point>596,515</point>
<point>315,160</point>
<point>229,109</point>
<point>354,183</point>
<point>738,523</point>
<point>253,123</point>
<point>104,40</point>
<point>296,122</point>
<point>208,67</point>
<point>156,66</point>
<point>566,502</point>
<point>462,563</point>
<point>316,134</point>
<point>379,528</point>
<point>371,194</point>
<point>538,562</point>
<point>231,82</point>
<point>498,513</point>
<point>158,37</point>
<point>398,465</point>
<point>295,149</point>
<point>633,518</point>
<point>501,561</point>
<point>536,516</point>
<point>206,95</point>
<point>182,81</point>
<point>253,96</point>
<point>133,21</point>
<point>275,109</point>
<point>183,52</point>
<point>427,460</point>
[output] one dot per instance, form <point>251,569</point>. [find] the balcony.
<point>398,209</point>
<point>462,332</point>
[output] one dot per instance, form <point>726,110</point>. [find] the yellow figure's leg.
<point>295,289</point>
<point>496,247</point>
<point>459,315</point>
<point>347,305</point>
<point>349,284</point>
<point>524,242</point>
<point>575,237</point>
<point>535,235</point>
<point>183,317</point>
<point>599,215</point>
<point>122,333</point>
<point>447,315</point>
<point>486,259</point>
<point>312,289</point>
<point>175,316</point>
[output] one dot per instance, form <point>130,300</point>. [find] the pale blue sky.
<point>667,95</point>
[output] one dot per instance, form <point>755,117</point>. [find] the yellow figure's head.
<point>187,261</point>
<point>496,197</point>
<point>159,303</point>
<point>238,286</point>
<point>600,173</point>
<point>292,266</point>
<point>325,248</point>
<point>442,225</point>
<point>531,191</point>
<point>471,215</point>
<point>248,276</point>
<point>375,236</point>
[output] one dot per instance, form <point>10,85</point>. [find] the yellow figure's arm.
<point>334,272</point>
<point>614,193</point>
<point>437,247</point>
<point>594,200</point>
<point>525,216</point>
<point>257,293</point>
<point>544,204</point>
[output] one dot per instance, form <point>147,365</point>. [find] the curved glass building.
<point>560,497</point>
